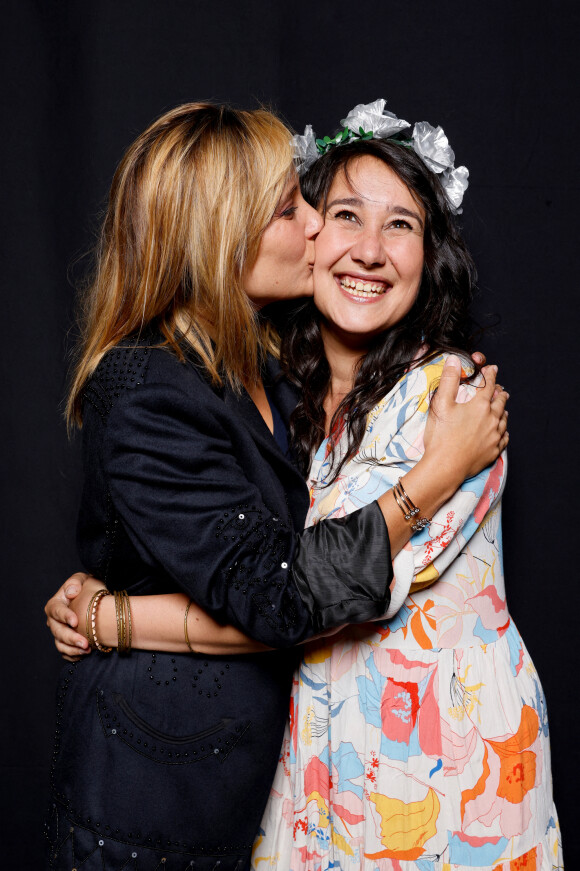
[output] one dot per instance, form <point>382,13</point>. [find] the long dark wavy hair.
<point>438,321</point>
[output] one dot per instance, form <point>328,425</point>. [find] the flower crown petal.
<point>305,150</point>
<point>432,146</point>
<point>455,182</point>
<point>372,120</point>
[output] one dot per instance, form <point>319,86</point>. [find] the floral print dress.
<point>418,743</point>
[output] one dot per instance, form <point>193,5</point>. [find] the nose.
<point>369,248</point>
<point>313,222</point>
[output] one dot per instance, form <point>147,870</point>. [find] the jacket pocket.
<point>120,721</point>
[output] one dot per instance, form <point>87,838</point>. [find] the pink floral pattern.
<point>420,742</point>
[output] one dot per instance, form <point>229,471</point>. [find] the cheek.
<point>408,260</point>
<point>291,247</point>
<point>300,244</point>
<point>328,245</point>
<point>323,288</point>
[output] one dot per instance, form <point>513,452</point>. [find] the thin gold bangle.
<point>411,507</point>
<point>119,617</point>
<point>399,503</point>
<point>408,508</point>
<point>129,623</point>
<point>185,632</point>
<point>123,616</point>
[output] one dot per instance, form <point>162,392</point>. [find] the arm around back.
<point>202,499</point>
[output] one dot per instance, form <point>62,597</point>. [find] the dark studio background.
<point>80,80</point>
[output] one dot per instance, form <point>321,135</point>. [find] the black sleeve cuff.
<point>342,568</point>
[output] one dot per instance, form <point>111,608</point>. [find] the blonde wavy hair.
<point>188,204</point>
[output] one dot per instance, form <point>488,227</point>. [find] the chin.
<point>359,330</point>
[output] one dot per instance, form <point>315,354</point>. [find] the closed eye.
<point>288,213</point>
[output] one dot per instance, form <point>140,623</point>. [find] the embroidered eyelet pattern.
<point>101,845</point>
<point>266,538</point>
<point>120,369</point>
<point>78,845</point>
<point>61,693</point>
<point>210,677</point>
<point>120,721</point>
<point>108,544</point>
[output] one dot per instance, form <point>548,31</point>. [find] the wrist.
<point>437,476</point>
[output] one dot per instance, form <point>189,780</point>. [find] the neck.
<point>343,357</point>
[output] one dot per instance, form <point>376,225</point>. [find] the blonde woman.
<point>165,759</point>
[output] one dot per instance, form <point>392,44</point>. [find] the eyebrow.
<point>289,195</point>
<point>356,201</point>
<point>282,202</point>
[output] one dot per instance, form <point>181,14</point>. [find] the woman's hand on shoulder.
<point>63,611</point>
<point>465,437</point>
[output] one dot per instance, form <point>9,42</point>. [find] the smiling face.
<point>369,254</point>
<point>283,266</point>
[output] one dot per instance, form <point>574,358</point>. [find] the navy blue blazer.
<point>186,489</point>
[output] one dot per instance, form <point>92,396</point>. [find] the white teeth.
<point>356,287</point>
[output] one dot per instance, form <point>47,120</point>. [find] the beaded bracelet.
<point>91,622</point>
<point>409,509</point>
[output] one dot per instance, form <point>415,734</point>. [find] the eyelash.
<point>289,212</point>
<point>344,214</point>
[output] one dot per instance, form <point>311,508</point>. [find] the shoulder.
<point>420,382</point>
<point>409,399</point>
<point>427,374</point>
<point>139,362</point>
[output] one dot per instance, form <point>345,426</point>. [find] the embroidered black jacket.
<point>186,489</point>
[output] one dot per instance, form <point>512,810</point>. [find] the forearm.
<point>461,438</point>
<point>158,620</point>
<point>157,623</point>
<point>430,483</point>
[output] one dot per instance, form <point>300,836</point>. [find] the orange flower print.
<point>518,765</point>
<point>527,862</point>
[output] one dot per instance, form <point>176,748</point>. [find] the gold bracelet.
<point>186,633</point>
<point>123,617</point>
<point>119,621</point>
<point>129,624</point>
<point>91,621</point>
<point>408,508</point>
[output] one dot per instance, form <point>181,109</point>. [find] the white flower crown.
<point>372,121</point>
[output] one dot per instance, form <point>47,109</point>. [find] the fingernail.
<point>69,591</point>
<point>453,361</point>
<point>507,394</point>
<point>82,644</point>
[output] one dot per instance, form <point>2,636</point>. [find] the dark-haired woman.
<point>421,741</point>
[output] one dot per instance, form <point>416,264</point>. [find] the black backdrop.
<point>80,80</point>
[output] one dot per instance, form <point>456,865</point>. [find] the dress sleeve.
<point>191,508</point>
<point>429,552</point>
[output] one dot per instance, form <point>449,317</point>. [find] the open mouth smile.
<point>362,289</point>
